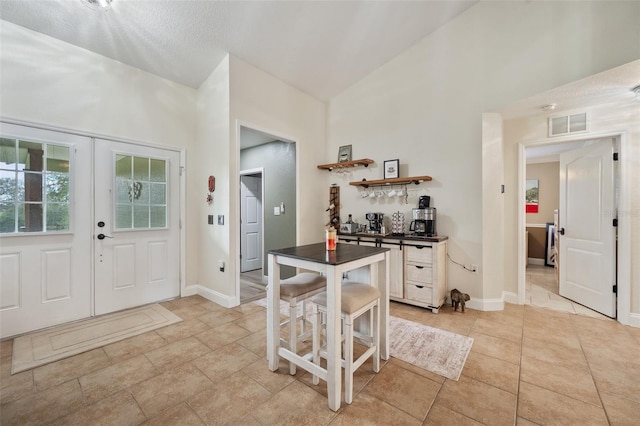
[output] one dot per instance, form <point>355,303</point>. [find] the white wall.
<point>260,101</point>
<point>52,83</point>
<point>425,107</point>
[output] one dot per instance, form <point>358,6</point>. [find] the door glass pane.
<point>123,216</point>
<point>57,159</point>
<point>33,214</point>
<point>57,187</point>
<point>7,217</point>
<point>7,154</point>
<point>141,194</point>
<point>7,186</point>
<point>57,217</point>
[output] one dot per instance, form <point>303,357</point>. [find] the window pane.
<point>57,217</point>
<point>21,218</point>
<point>31,155</point>
<point>7,153</point>
<point>158,171</point>
<point>140,168</point>
<point>123,166</point>
<point>140,217</point>
<point>32,219</point>
<point>32,186</point>
<point>7,218</point>
<point>158,193</point>
<point>57,158</point>
<point>158,217</point>
<point>7,186</point>
<point>123,217</point>
<point>141,193</point>
<point>123,187</point>
<point>57,187</point>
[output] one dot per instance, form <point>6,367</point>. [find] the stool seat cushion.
<point>301,284</point>
<point>354,297</point>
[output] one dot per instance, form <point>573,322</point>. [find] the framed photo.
<point>344,153</point>
<point>391,169</point>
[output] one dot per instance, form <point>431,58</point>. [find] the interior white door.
<point>137,225</point>
<point>586,233</point>
<point>250,223</point>
<point>45,228</point>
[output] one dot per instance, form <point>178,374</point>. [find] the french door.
<point>136,228</point>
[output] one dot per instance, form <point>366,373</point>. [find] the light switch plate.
<point>220,219</point>
<point>276,211</point>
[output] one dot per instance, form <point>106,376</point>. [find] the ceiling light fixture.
<point>98,4</point>
<point>636,91</point>
<point>549,107</point>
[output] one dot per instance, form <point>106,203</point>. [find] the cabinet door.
<point>396,279</point>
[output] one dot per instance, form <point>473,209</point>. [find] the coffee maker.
<point>375,222</point>
<point>424,222</point>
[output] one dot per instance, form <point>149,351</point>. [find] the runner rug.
<point>432,349</point>
<point>53,344</point>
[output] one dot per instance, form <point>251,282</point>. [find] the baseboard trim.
<point>535,261</point>
<point>634,320</point>
<point>510,297</point>
<point>486,304</point>
<point>212,295</point>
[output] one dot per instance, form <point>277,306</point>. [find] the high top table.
<point>332,264</point>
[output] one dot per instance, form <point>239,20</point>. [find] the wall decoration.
<point>549,249</point>
<point>344,154</point>
<point>531,195</point>
<point>391,169</point>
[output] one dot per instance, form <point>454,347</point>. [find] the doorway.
<point>581,275</point>
<point>252,284</point>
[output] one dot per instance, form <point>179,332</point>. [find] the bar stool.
<point>294,290</point>
<point>357,299</point>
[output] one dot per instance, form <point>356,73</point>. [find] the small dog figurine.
<point>458,298</point>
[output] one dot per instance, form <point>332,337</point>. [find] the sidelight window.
<point>141,192</point>
<point>34,186</point>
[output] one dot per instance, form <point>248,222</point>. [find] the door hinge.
<point>615,156</point>
<point>615,289</point>
<point>615,222</point>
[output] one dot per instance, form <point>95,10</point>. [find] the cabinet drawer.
<point>420,273</point>
<point>415,254</point>
<point>419,293</point>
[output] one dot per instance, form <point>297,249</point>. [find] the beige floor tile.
<point>570,358</point>
<point>180,414</point>
<point>524,422</point>
<point>620,411</point>
<point>182,330</point>
<point>273,381</point>
<point>557,334</point>
<point>212,306</point>
<point>183,302</point>
<point>16,386</point>
<point>164,391</point>
<point>493,371</point>
<point>228,401</point>
<point>218,318</point>
<point>296,404</point>
<point>479,401</point>
<point>440,415</point>
<point>577,383</point>
<point>415,369</point>
<point>70,368</point>
<point>254,321</point>
<point>220,336</point>
<point>103,383</point>
<point>45,406</point>
<point>404,390</point>
<point>250,308</point>
<point>503,349</point>
<point>133,346</point>
<point>256,343</point>
<point>617,378</point>
<point>497,329</point>
<point>191,311</point>
<point>543,406</point>
<point>119,409</point>
<point>177,353</point>
<point>223,362</point>
<point>368,410</point>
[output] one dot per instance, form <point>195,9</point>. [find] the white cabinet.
<point>417,271</point>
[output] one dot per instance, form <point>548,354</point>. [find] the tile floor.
<point>528,365</point>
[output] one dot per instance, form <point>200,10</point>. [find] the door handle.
<point>102,236</point>
<point>561,231</point>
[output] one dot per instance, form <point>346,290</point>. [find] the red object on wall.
<point>532,208</point>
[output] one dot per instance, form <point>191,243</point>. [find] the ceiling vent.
<point>568,124</point>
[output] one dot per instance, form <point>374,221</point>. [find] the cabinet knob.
<point>419,267</point>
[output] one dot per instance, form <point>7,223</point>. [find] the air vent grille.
<point>567,124</point>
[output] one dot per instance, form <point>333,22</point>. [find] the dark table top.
<point>318,253</point>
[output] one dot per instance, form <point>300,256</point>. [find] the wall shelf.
<point>395,181</point>
<point>363,162</point>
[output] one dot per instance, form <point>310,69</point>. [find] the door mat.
<point>439,351</point>
<point>43,347</point>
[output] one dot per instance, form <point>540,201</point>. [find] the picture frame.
<point>391,169</point>
<point>549,249</point>
<point>344,154</point>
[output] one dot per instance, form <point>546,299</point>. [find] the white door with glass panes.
<point>137,234</point>
<point>45,228</point>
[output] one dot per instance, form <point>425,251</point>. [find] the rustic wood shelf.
<point>395,181</point>
<point>363,162</point>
